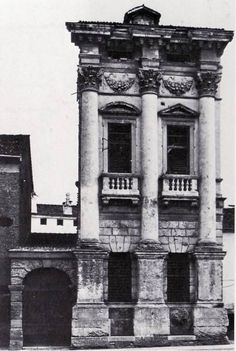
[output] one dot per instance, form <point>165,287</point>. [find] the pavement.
<point>229,347</point>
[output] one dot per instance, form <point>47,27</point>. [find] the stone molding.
<point>149,81</point>
<point>178,87</point>
<point>207,83</point>
<point>119,85</point>
<point>89,78</point>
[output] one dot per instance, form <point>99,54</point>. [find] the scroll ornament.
<point>119,85</point>
<point>178,87</point>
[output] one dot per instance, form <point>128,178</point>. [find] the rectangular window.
<point>178,282</point>
<point>119,277</point>
<point>60,222</point>
<point>43,221</point>
<point>119,148</point>
<point>178,150</point>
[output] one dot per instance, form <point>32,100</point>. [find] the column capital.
<point>207,83</point>
<point>149,80</point>
<point>89,78</point>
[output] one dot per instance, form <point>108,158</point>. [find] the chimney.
<point>67,205</point>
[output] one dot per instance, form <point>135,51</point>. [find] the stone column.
<point>16,329</point>
<point>207,85</point>
<point>88,82</point>
<point>149,84</point>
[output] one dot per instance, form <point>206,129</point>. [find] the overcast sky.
<point>38,79</point>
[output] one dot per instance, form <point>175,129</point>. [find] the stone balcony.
<point>124,186</point>
<point>179,187</point>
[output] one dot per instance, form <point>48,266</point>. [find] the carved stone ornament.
<point>119,83</point>
<point>89,78</point>
<point>207,83</point>
<point>178,87</point>
<point>149,80</point>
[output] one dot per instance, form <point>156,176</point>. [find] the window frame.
<point>193,146</point>
<point>104,142</point>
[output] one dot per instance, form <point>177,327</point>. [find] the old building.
<point>16,186</point>
<point>146,268</point>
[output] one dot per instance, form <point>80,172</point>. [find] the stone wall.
<point>9,237</point>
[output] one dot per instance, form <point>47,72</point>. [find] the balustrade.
<point>120,185</point>
<point>180,185</point>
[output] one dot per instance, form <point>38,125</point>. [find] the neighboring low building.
<point>16,187</point>
<point>55,219</point>
<point>228,264</point>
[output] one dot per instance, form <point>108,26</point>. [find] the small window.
<point>60,222</point>
<point>119,277</point>
<point>178,282</point>
<point>119,148</point>
<point>75,222</point>
<point>43,221</point>
<point>178,150</point>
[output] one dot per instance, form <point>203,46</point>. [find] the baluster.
<point>122,183</point>
<point>171,184</point>
<point>112,183</point>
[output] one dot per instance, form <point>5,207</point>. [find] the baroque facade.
<point>146,268</point>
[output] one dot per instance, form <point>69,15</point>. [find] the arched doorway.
<point>47,308</point>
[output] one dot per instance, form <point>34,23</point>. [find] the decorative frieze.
<point>178,86</point>
<point>89,78</point>
<point>207,83</point>
<point>119,83</point>
<point>149,80</point>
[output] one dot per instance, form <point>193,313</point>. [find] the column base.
<point>149,245</point>
<point>210,323</point>
<point>151,320</point>
<point>90,325</point>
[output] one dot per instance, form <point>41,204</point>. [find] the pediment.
<point>119,108</point>
<point>178,110</point>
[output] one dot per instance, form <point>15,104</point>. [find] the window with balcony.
<point>119,159</point>
<point>179,153</point>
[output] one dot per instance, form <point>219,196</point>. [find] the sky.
<point>38,65</point>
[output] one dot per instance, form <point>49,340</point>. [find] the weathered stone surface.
<point>151,320</point>
<point>210,317</point>
<point>150,269</point>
